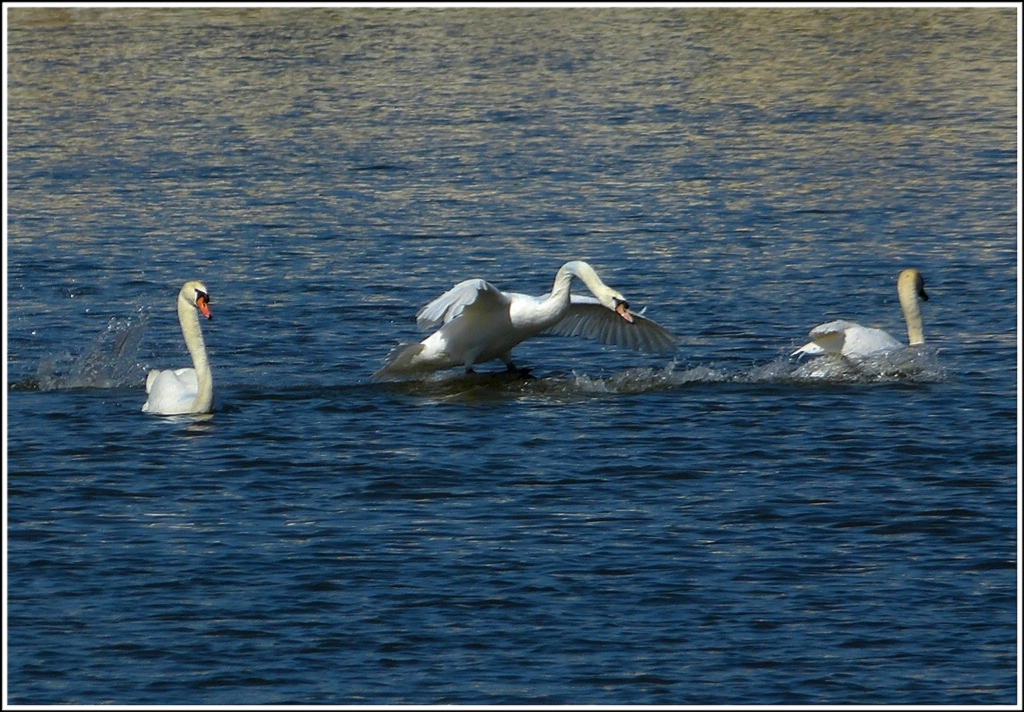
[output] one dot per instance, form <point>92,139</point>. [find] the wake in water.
<point>914,365</point>
<point>109,361</point>
<point>906,365</point>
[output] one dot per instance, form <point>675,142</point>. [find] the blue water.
<point>718,528</point>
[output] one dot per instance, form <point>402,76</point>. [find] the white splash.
<point>110,360</point>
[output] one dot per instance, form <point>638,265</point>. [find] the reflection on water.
<point>261,146</point>
<point>441,105</point>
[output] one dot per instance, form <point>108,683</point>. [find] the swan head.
<point>613,300</point>
<point>605,294</point>
<point>195,293</point>
<point>911,282</point>
<point>621,307</point>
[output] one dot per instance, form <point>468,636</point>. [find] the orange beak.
<point>203,302</point>
<point>623,310</point>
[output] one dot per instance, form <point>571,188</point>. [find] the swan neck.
<point>586,274</point>
<point>912,313</point>
<point>188,317</point>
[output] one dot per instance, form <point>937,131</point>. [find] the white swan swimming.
<point>185,390</point>
<point>480,322</point>
<point>857,342</point>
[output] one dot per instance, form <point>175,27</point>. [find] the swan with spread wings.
<point>479,322</point>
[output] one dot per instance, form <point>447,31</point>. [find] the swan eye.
<point>203,303</point>
<point>620,303</point>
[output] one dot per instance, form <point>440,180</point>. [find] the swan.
<point>857,342</point>
<point>185,390</point>
<point>479,322</point>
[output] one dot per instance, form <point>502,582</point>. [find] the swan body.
<point>479,322</point>
<point>185,390</point>
<point>854,341</point>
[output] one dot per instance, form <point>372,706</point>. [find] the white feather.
<point>479,322</point>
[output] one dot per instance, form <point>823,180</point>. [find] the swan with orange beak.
<point>479,322</point>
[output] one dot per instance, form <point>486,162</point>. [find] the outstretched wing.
<point>476,293</point>
<point>826,338</point>
<point>589,318</point>
<point>849,339</point>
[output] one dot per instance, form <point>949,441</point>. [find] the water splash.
<point>906,365</point>
<point>109,361</point>
<point>915,365</point>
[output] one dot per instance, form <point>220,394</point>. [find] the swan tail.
<point>400,361</point>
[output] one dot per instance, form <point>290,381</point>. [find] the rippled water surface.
<point>729,526</point>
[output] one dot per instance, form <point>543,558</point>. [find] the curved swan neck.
<point>188,317</point>
<point>910,286</point>
<point>578,268</point>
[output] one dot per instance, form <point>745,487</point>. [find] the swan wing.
<point>827,338</point>
<point>478,294</point>
<point>863,341</point>
<point>832,329</point>
<point>847,338</point>
<point>587,317</point>
<point>171,392</point>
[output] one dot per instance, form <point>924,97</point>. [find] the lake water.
<point>718,528</point>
